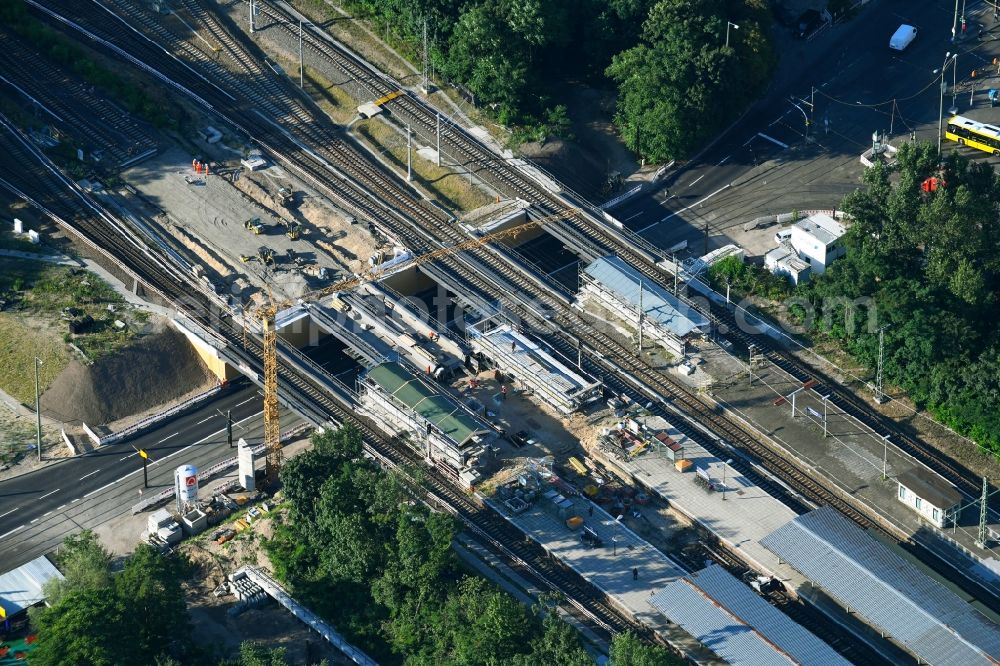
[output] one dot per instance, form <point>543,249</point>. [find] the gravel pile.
<point>157,369</point>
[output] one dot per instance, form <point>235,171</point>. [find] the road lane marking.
<point>33,521</point>
<point>91,474</point>
<point>106,485</point>
<point>696,203</point>
<point>772,139</point>
<point>127,457</point>
<point>647,227</point>
<point>168,437</point>
<point>723,160</point>
<point>60,508</point>
<point>631,216</point>
<point>48,513</point>
<point>696,180</point>
<point>246,401</point>
<point>4,536</point>
<point>9,512</point>
<point>77,500</point>
<point>53,492</point>
<point>206,419</point>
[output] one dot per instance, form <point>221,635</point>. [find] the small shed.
<point>21,588</point>
<point>929,495</point>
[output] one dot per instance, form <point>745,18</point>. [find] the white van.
<point>902,37</point>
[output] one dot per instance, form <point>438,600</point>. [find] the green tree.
<point>490,59</point>
<point>628,650</point>
<point>86,626</point>
<point>84,563</point>
<point>133,618</point>
<point>149,588</point>
<point>928,264</point>
<point>681,85</point>
<point>558,645</point>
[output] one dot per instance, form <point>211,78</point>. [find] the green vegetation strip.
<point>39,298</point>
<point>453,191</point>
<point>926,266</point>
<point>357,550</point>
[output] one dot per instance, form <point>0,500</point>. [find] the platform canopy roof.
<point>735,623</point>
<point>21,588</point>
<point>658,304</point>
<point>888,591</point>
<point>447,416</point>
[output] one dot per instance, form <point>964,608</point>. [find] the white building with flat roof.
<point>783,260</point>
<point>816,239</point>
<point>928,494</point>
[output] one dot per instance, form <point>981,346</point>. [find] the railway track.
<point>496,278</point>
<point>511,181</point>
<point>585,232</point>
<point>491,529</point>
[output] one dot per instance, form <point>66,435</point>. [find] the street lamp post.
<point>947,57</point>
<point>38,413</point>
<point>725,466</point>
<point>614,534</point>
<point>885,456</point>
<point>729,23</point>
<point>826,404</point>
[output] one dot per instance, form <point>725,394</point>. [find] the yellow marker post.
<point>145,461</point>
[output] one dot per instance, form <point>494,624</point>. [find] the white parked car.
<point>782,236</point>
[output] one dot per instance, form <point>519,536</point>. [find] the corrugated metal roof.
<point>736,624</point>
<point>22,587</point>
<point>658,304</point>
<point>860,572</point>
<point>448,417</point>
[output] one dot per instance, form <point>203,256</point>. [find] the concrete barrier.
<point>69,443</point>
<point>92,435</point>
<point>166,494</point>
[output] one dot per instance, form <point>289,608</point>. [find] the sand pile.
<point>157,369</point>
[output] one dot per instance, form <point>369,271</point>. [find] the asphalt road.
<point>764,164</point>
<point>38,509</point>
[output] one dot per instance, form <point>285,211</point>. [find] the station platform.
<point>609,567</point>
<point>740,517</point>
<point>852,456</point>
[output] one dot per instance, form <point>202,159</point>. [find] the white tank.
<point>186,484</point>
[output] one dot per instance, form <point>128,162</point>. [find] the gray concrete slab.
<point>739,517</point>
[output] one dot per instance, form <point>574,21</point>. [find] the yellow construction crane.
<point>272,423</point>
<point>268,312</point>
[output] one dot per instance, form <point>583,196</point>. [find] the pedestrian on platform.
<point>590,510</point>
<point>503,392</point>
<point>635,573</point>
<point>513,346</point>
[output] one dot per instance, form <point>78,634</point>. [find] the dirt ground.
<point>270,624</point>
<point>119,386</point>
<point>555,434</point>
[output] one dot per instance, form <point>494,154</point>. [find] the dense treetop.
<point>927,267</point>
